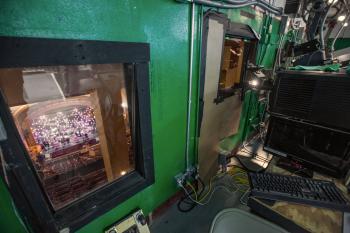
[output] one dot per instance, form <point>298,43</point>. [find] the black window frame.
<point>19,174</point>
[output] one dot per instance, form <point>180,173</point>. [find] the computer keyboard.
<point>297,189</point>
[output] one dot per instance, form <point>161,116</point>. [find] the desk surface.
<point>312,219</point>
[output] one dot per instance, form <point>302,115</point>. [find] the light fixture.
<point>259,84</point>
<point>341,18</point>
<point>345,24</point>
<point>124,105</point>
<point>254,83</point>
<point>123,173</point>
<point>332,1</point>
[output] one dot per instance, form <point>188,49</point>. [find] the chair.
<point>235,220</point>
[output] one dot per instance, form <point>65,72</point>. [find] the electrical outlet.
<point>190,173</point>
<point>180,179</point>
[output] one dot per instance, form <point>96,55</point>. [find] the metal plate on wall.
<point>218,120</point>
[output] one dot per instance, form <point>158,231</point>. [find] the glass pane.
<point>76,124</point>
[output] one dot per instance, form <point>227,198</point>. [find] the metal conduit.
<point>322,43</point>
<point>256,2</point>
<point>233,4</point>
<point>190,78</point>
<point>336,37</point>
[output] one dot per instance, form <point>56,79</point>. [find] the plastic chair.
<point>239,221</point>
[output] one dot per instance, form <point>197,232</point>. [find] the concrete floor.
<point>199,219</point>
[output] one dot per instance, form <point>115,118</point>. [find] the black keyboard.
<point>297,189</point>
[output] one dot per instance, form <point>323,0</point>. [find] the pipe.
<point>190,78</point>
<point>262,4</point>
<point>221,4</point>
<point>336,37</point>
<point>200,33</point>
<point>257,2</point>
<point>236,4</point>
<point>236,1</point>
<point>322,44</point>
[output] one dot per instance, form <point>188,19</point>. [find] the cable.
<point>210,186</point>
<point>193,190</point>
<point>243,196</point>
<point>185,199</point>
<point>199,202</point>
<point>322,43</point>
<point>210,196</point>
<point>336,37</point>
<point>236,4</point>
<point>238,183</point>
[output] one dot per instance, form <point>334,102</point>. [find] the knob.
<point>141,218</point>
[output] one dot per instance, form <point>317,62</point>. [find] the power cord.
<point>187,200</point>
<point>243,197</point>
<point>193,198</point>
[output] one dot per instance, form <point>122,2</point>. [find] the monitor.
<point>316,147</point>
<point>319,97</point>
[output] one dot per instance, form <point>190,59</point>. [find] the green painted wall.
<point>162,23</point>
